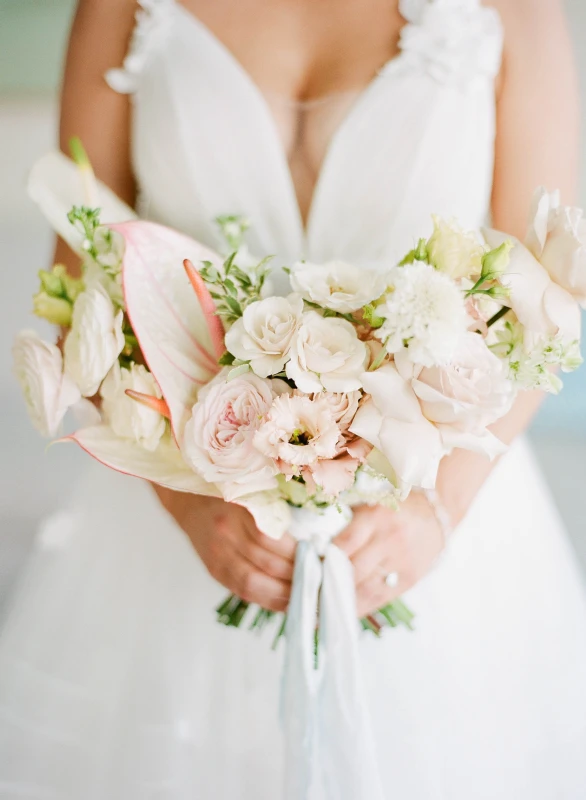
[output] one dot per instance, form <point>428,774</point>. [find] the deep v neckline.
<point>304,227</point>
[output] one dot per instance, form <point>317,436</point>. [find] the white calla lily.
<point>56,184</point>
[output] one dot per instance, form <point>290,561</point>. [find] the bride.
<point>337,127</point>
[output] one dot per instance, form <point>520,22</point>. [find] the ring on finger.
<point>391,579</point>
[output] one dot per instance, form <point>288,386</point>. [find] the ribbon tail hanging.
<point>348,758</point>
<point>300,678</point>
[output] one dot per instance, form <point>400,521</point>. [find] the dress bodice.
<point>419,139</point>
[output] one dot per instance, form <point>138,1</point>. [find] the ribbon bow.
<point>329,746</point>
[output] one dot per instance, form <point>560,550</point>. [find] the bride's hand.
<point>380,541</point>
<point>249,564</point>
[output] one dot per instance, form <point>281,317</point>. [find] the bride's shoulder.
<point>105,26</point>
<point>527,15</point>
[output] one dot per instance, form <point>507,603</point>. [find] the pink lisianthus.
<point>337,475</point>
<point>219,439</point>
<point>297,431</point>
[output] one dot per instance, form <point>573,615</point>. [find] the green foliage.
<point>232,287</point>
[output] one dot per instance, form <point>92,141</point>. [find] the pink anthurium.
<point>208,307</point>
<point>154,403</point>
<point>164,466</point>
<point>177,333</point>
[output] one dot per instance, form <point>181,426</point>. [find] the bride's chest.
<point>300,49</point>
<point>419,138</point>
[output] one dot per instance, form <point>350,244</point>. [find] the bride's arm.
<point>536,144</point>
<point>248,563</point>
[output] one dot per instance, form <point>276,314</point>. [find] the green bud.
<point>56,310</point>
<point>417,254</point>
<point>498,292</point>
<point>51,283</point>
<point>57,283</point>
<point>495,262</point>
<point>370,315</point>
<point>73,286</point>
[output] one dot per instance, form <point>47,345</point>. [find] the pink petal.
<point>208,307</point>
<point>154,403</point>
<point>335,475</point>
<point>168,321</point>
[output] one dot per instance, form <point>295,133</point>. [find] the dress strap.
<point>152,21</point>
<point>453,41</point>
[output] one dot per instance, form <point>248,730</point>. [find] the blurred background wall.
<point>34,481</point>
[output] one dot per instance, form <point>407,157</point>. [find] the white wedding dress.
<point>116,682</point>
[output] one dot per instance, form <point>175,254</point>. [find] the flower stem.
<point>499,314</point>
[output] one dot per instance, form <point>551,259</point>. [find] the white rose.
<point>465,396</point>
<point>326,353</point>
<point>298,430</point>
<point>48,393</point>
<point>557,239</point>
<point>337,285</point>
<point>95,340</point>
<point>218,440</point>
<point>393,422</point>
<point>453,251</point>
<point>263,334</point>
<point>128,418</point>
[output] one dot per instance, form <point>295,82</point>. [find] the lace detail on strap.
<point>453,41</point>
<point>151,26</point>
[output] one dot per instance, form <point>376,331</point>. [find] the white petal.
<point>165,466</point>
<point>55,183</point>
<point>272,515</point>
<point>483,442</point>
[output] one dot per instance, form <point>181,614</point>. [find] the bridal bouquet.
<point>348,390</point>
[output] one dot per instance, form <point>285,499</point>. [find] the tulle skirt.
<point>116,682</point>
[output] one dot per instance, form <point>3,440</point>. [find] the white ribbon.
<point>329,746</point>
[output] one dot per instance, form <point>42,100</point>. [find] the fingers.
<point>254,586</point>
<point>265,560</point>
<point>358,532</point>
<point>284,546</point>
<point>368,560</point>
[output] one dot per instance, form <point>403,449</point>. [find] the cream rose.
<point>557,238</point>
<point>326,354</point>
<point>48,393</point>
<point>542,306</point>
<point>453,251</point>
<point>128,418</point>
<point>337,285</point>
<point>297,431</point>
<point>219,437</point>
<point>465,396</point>
<point>263,334</point>
<point>95,340</point>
